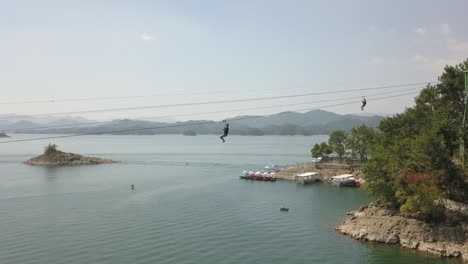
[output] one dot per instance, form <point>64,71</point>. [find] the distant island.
<point>3,135</point>
<point>190,133</point>
<point>54,157</point>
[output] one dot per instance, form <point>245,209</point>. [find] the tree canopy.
<point>321,150</point>
<point>337,142</point>
<point>414,161</point>
<point>359,141</point>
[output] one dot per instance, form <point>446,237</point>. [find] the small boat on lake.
<point>259,176</point>
<point>346,180</point>
<point>307,178</point>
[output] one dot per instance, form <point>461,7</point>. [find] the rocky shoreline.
<point>378,224</point>
<point>60,158</point>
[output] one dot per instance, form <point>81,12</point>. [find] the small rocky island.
<point>54,157</point>
<point>3,135</point>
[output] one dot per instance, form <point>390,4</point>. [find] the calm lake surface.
<point>178,213</point>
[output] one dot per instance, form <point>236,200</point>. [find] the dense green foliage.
<point>359,141</point>
<point>321,150</point>
<point>414,161</point>
<point>337,142</point>
<point>51,149</point>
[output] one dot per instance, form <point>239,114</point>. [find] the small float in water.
<point>284,209</point>
<point>259,176</point>
<point>346,180</point>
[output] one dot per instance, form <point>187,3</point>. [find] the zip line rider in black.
<point>364,102</point>
<point>225,131</point>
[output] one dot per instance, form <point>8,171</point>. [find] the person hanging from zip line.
<point>225,131</point>
<point>364,102</point>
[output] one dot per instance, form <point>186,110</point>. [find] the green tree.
<point>359,141</point>
<point>51,149</point>
<point>337,142</point>
<point>413,161</point>
<point>315,151</point>
<point>326,149</point>
<point>321,150</point>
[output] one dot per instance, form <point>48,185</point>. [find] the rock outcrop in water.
<point>54,157</point>
<point>377,224</point>
<point>3,135</point>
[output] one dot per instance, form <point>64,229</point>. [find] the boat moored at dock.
<point>259,176</point>
<point>307,178</point>
<point>346,180</point>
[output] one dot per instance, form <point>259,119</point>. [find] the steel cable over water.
<point>208,102</point>
<point>191,114</point>
<point>163,94</point>
<point>190,124</point>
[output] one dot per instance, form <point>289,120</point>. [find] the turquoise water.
<point>178,213</point>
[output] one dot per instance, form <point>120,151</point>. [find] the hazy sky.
<point>202,50</point>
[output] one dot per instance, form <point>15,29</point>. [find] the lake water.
<point>178,213</point>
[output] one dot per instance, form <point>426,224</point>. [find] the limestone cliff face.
<point>375,223</point>
<point>60,158</point>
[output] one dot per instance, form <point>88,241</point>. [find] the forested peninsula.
<point>415,169</point>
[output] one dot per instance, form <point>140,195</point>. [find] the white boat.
<point>341,177</point>
<point>345,180</point>
<point>306,178</point>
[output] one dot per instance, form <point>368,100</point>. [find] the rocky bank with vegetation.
<point>377,224</point>
<point>418,173</point>
<point>54,157</point>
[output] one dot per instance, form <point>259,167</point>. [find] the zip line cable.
<point>184,125</point>
<point>202,113</point>
<point>208,103</point>
<point>153,95</point>
<point>100,98</point>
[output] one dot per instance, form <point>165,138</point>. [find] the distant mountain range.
<point>286,123</point>
<point>13,118</point>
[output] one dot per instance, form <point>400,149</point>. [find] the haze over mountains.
<point>286,123</point>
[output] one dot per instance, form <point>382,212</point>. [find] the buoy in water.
<point>132,186</point>
<point>284,209</point>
